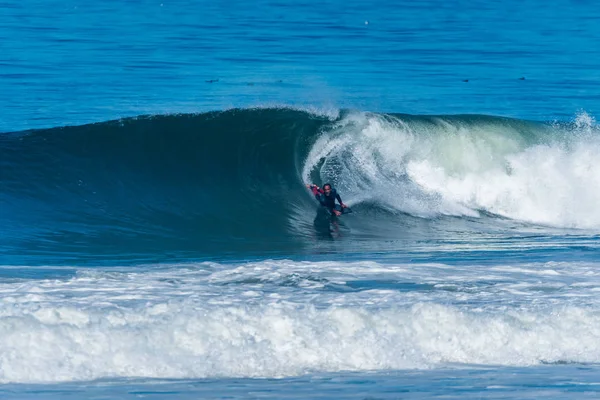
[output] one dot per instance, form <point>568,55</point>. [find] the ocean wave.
<point>232,181</point>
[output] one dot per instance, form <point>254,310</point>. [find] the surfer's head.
<point>327,189</point>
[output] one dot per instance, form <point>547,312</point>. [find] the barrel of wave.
<point>462,165</point>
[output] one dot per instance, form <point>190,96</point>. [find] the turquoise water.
<point>157,239</point>
<point>550,382</point>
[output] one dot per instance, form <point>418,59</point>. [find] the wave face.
<point>232,182</point>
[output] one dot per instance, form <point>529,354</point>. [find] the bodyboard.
<point>344,211</point>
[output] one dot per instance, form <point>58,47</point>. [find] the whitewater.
<point>462,165</point>
<point>284,318</point>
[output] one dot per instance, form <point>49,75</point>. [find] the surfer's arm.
<point>315,190</point>
<point>337,196</point>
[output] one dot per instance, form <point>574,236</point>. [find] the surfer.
<point>326,196</point>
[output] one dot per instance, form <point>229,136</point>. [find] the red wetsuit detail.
<point>317,191</point>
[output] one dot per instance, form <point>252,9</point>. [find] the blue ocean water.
<point>157,239</point>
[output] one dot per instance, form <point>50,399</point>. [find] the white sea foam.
<point>285,318</point>
<point>328,111</point>
<point>185,340</point>
<point>540,174</point>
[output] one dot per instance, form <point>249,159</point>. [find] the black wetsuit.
<point>329,201</point>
